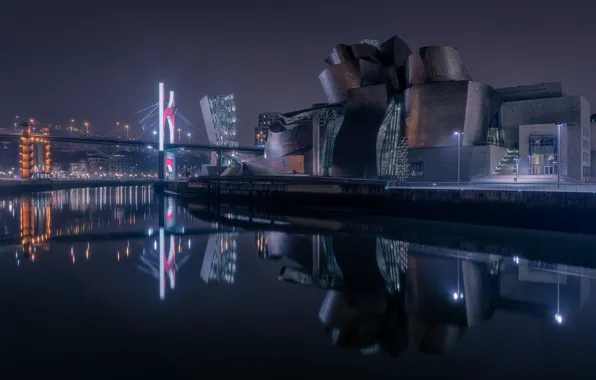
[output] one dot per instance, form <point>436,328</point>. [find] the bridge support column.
<point>316,142</point>
<point>161,165</point>
<point>219,155</point>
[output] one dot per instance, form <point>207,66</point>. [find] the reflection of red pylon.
<point>168,266</point>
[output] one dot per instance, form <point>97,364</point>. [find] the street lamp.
<point>189,137</point>
<point>459,135</point>
<point>458,296</point>
<point>155,134</point>
<point>87,127</point>
<point>558,155</point>
<point>558,316</point>
<point>516,168</point>
<point>126,127</point>
<point>178,135</point>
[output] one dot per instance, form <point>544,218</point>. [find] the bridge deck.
<point>119,142</point>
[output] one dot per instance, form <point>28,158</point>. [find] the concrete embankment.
<point>556,211</point>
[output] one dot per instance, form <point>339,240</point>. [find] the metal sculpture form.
<point>166,117</point>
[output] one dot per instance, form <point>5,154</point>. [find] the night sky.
<point>101,60</point>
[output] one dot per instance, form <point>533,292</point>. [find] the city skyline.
<point>104,63</point>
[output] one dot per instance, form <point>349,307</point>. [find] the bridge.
<point>35,146</point>
<point>134,143</point>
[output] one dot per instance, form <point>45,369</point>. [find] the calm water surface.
<point>95,280</point>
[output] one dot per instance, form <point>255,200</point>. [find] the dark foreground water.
<point>117,282</point>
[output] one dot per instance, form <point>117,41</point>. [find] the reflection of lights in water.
<point>458,296</point>
<point>155,263</point>
<point>87,252</point>
<point>558,316</point>
<point>375,348</point>
<point>189,243</point>
<point>219,263</point>
<point>127,248</point>
<point>392,261</point>
<point>118,256</point>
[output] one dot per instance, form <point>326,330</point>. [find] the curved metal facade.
<point>337,80</point>
<point>283,141</point>
<point>435,64</point>
<point>435,111</point>
<point>354,153</point>
<point>379,93</point>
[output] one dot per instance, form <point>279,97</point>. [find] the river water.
<point>112,281</point>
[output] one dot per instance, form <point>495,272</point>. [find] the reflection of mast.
<point>219,262</point>
<point>166,265</point>
<point>161,265</point>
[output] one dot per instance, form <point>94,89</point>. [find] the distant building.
<point>267,118</point>
<point>261,136</point>
<point>262,131</point>
<point>219,114</point>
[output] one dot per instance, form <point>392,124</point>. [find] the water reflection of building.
<point>40,216</point>
<point>415,298</point>
<point>219,262</point>
<point>35,223</point>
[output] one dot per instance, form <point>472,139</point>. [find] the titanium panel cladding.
<point>436,110</point>
<point>395,51</point>
<point>337,80</point>
<point>284,141</point>
<point>340,53</point>
<point>435,64</point>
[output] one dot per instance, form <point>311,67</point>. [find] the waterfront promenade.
<point>521,186</point>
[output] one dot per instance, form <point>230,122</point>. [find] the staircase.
<point>507,165</point>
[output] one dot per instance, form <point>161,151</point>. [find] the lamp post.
<point>126,127</point>
<point>155,135</point>
<point>189,137</point>
<point>558,155</point>
<point>178,135</point>
<point>87,127</point>
<point>459,135</point>
<point>558,316</point>
<point>516,168</point>
<point>458,296</point>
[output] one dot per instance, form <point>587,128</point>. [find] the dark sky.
<point>101,60</point>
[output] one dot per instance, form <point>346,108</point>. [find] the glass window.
<point>543,144</point>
